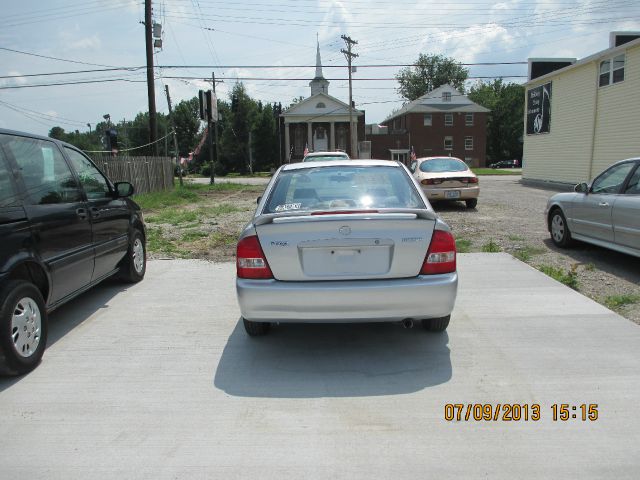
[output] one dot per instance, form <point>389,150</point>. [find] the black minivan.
<point>64,227</point>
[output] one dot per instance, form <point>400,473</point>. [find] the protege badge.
<point>278,243</point>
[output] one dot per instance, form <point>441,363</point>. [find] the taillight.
<point>470,180</point>
<point>441,256</point>
<point>431,181</point>
<point>250,259</point>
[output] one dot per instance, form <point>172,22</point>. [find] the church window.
<point>321,105</point>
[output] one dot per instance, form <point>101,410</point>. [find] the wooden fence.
<point>147,174</point>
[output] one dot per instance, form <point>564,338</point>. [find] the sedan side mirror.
<point>581,188</point>
<point>123,189</point>
<point>258,199</point>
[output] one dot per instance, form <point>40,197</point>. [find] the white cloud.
<point>92,42</point>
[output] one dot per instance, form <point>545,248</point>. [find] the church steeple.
<point>319,84</point>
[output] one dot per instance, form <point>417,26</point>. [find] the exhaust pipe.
<point>407,323</point>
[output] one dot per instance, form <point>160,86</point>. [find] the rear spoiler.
<point>378,214</point>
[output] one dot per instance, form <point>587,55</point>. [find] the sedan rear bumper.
<point>466,193</point>
<point>389,300</point>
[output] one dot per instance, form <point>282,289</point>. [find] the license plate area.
<point>452,194</point>
<point>363,258</point>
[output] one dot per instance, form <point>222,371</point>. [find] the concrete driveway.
<point>158,380</point>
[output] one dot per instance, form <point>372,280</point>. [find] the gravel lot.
<point>509,218</point>
<point>510,215</point>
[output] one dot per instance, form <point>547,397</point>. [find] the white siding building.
<point>585,116</point>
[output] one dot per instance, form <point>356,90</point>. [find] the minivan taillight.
<point>441,256</point>
<point>250,259</point>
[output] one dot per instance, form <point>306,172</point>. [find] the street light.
<point>89,125</point>
<point>107,117</point>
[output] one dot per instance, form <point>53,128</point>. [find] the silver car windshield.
<point>330,188</point>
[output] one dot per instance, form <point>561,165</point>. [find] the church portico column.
<point>332,137</point>
<point>309,136</point>
<point>287,143</point>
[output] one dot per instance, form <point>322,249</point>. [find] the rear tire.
<point>134,264</point>
<point>436,324</point>
<point>23,327</point>
<point>559,230</point>
<point>471,203</point>
<point>256,329</point>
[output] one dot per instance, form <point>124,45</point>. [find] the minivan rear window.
<point>331,188</point>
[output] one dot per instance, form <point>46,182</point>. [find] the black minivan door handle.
<point>82,213</point>
<point>95,213</point>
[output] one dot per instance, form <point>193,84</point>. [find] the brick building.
<point>442,122</point>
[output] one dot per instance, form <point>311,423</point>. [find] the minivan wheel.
<point>436,324</point>
<point>23,327</point>
<point>471,203</point>
<point>134,265</point>
<point>256,329</point>
<point>560,234</point>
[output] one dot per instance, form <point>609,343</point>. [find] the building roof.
<point>591,58</point>
<point>432,102</point>
<point>309,107</point>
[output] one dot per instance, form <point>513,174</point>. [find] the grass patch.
<point>220,187</point>
<point>193,235</point>
<point>525,253</point>
<point>221,209</point>
<point>491,247</point>
<point>616,302</point>
<point>496,171</point>
<point>157,243</point>
<point>463,245</point>
<point>173,216</point>
<point>168,198</point>
<point>589,267</point>
<point>569,278</point>
<point>516,238</point>
<point>222,239</point>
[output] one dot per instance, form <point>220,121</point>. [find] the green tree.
<point>187,121</point>
<point>430,72</point>
<point>265,140</point>
<point>234,143</point>
<point>505,124</point>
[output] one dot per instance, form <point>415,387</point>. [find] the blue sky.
<point>234,35</point>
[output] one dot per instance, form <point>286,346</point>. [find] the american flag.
<point>413,154</point>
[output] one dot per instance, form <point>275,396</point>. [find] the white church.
<point>320,122</point>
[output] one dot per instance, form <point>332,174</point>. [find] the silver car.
<point>605,212</point>
<point>345,241</point>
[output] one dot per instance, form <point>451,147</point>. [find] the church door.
<point>320,140</point>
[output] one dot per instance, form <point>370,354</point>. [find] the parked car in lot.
<point>345,241</point>
<point>505,164</point>
<point>325,156</point>
<point>446,178</point>
<point>605,212</point>
<point>64,227</point>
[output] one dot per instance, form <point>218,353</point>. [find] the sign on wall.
<point>539,109</point>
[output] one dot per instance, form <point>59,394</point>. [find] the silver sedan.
<point>345,241</point>
<point>605,212</point>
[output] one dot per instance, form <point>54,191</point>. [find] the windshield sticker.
<point>288,206</point>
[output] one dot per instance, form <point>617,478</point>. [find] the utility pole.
<point>349,56</point>
<point>175,137</point>
<point>151,91</point>
<point>214,125</point>
<point>250,154</point>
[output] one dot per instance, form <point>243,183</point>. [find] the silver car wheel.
<point>557,228</point>
<point>26,325</point>
<point>138,256</point>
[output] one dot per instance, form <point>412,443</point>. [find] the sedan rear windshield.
<point>443,165</point>
<point>342,188</point>
<point>322,158</point>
